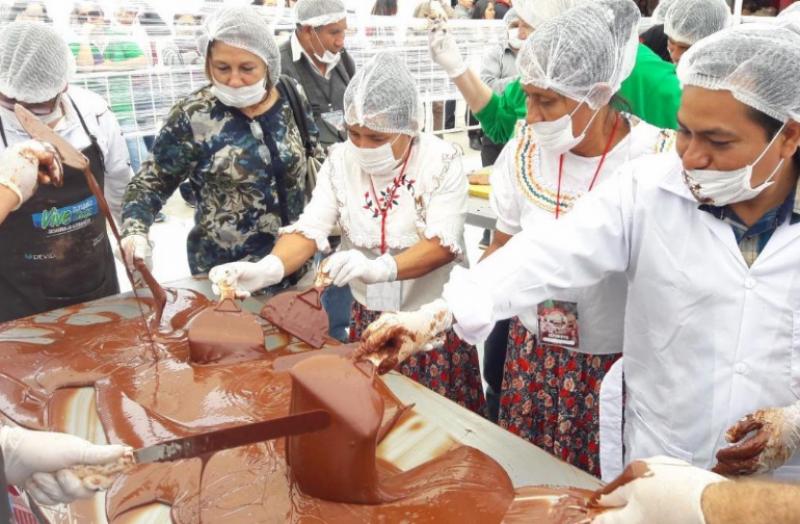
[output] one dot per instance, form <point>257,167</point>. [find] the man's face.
<point>676,50</point>
<point>38,109</point>
<point>126,16</point>
<point>328,37</point>
<point>90,14</point>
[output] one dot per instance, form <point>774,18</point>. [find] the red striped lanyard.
<point>387,203</point>
<point>596,173</point>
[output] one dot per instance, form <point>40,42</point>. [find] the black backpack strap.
<point>289,91</point>
<point>349,65</point>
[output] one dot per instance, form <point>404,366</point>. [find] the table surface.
<point>480,214</point>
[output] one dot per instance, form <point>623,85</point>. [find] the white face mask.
<point>327,58</point>
<point>9,117</point>
<point>720,188</point>
<point>240,97</point>
<point>513,38</point>
<point>556,136</point>
<point>55,115</point>
<point>375,161</point>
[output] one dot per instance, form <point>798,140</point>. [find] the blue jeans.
<point>338,302</point>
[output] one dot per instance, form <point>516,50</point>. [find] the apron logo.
<point>62,218</point>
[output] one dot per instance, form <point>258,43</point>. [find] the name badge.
<point>386,296</point>
<point>558,323</point>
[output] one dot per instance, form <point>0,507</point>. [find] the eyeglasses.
<point>91,14</point>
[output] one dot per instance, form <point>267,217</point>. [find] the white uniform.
<point>707,338</point>
<point>525,186</point>
<point>430,203</point>
<point>102,123</point>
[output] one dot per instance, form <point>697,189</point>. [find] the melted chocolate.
<point>225,334</point>
<point>300,314</point>
<point>142,400</point>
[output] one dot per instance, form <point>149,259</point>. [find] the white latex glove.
<point>345,266</point>
<point>761,441</point>
<point>25,165</point>
<point>396,336</point>
<point>246,277</point>
<point>670,491</point>
<point>38,461</point>
<point>137,247</point>
<point>444,50</point>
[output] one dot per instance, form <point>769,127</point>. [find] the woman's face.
<point>235,67</point>
<point>545,105</point>
<point>366,138</point>
<point>489,13</point>
<point>717,132</point>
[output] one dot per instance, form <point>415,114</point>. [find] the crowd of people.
<point>642,265</point>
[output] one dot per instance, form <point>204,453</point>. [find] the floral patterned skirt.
<point>551,397</point>
<point>452,371</point>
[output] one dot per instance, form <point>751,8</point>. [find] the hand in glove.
<point>38,462</point>
<point>345,266</point>
<point>444,50</point>
<point>137,247</point>
<point>25,165</point>
<point>775,437</point>
<point>396,336</point>
<point>663,490</point>
<point>246,277</point>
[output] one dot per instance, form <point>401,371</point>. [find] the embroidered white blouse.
<point>525,188</point>
<point>430,201</point>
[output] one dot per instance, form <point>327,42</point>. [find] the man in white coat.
<point>709,240</point>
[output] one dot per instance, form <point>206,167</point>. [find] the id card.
<point>386,296</point>
<point>558,323</point>
<point>335,119</point>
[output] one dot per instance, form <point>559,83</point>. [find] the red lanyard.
<point>387,203</point>
<point>596,173</point>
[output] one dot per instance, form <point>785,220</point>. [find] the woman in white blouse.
<point>400,199</point>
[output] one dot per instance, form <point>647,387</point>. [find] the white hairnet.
<point>585,53</point>
<point>383,96</point>
<point>688,21</point>
<point>536,12</point>
<point>660,12</point>
<point>510,17</point>
<point>317,13</point>
<point>758,63</point>
<point>35,62</point>
<point>245,28</point>
<point>790,17</point>
<point>792,10</point>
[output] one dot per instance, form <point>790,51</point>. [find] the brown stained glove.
<point>396,336</point>
<point>760,442</point>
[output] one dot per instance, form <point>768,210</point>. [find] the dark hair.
<point>771,127</point>
<point>385,8</point>
<point>479,10</point>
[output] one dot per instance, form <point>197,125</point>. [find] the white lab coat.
<point>102,123</point>
<point>707,338</point>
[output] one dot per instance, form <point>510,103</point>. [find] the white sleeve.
<point>592,241</point>
<point>321,214</point>
<point>446,209</point>
<point>117,163</point>
<point>503,197</point>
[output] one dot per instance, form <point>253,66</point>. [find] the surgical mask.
<point>513,38</point>
<point>55,115</point>
<point>720,188</point>
<point>240,97</point>
<point>328,58</point>
<point>9,117</point>
<point>375,161</point>
<point>556,136</point>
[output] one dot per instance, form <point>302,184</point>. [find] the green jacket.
<point>652,91</point>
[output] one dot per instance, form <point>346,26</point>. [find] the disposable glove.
<point>761,441</point>
<point>247,277</point>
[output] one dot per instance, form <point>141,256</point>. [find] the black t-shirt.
<point>655,39</point>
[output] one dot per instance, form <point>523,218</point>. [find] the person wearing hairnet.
<point>651,92</point>
<point>708,240</point>
<point>654,37</point>
<point>687,21</point>
<point>400,199</point>
<point>560,349</point>
<point>55,248</point>
<point>236,141</point>
<point>316,57</point>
